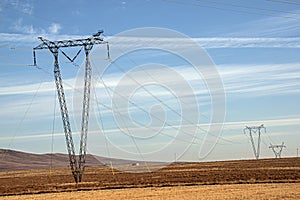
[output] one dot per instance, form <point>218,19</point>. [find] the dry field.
<point>236,191</point>
<point>249,178</point>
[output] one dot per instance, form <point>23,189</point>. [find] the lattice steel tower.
<point>277,149</point>
<point>257,130</point>
<point>77,167</point>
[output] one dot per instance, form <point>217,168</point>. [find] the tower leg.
<point>85,111</point>
<point>65,115</point>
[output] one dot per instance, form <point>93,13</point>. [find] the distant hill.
<point>17,160</point>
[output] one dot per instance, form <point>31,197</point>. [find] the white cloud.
<point>32,38</point>
<point>244,80</point>
<point>207,43</point>
<point>54,28</point>
<point>19,5</point>
<point>31,88</point>
<point>267,122</point>
<point>273,79</point>
<point>255,42</point>
<point>247,80</point>
<point>238,125</point>
<point>27,29</point>
<point>268,79</point>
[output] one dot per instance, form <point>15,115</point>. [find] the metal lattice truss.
<point>95,39</point>
<point>77,167</point>
<point>277,149</point>
<point>255,130</point>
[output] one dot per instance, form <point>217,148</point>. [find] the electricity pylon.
<point>279,148</point>
<point>77,167</point>
<point>257,130</point>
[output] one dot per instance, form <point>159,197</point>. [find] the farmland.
<point>236,191</point>
<point>181,178</point>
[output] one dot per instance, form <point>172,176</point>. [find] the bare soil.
<point>284,170</point>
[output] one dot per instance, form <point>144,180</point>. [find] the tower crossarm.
<point>95,39</point>
<point>69,43</point>
<point>277,146</point>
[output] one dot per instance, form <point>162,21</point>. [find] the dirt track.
<point>286,170</point>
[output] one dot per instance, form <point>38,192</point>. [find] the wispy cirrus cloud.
<point>232,125</point>
<point>248,81</point>
<point>274,79</point>
<point>285,25</point>
<point>261,80</point>
<point>54,28</point>
<point>22,6</point>
<point>207,42</point>
<point>30,39</point>
<point>27,31</point>
<point>255,42</point>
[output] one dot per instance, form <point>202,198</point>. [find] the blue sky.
<point>255,46</point>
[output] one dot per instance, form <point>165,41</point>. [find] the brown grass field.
<point>246,179</point>
<point>236,191</point>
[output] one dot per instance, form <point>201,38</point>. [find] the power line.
<point>143,110</point>
<point>129,132</point>
<point>135,63</point>
<point>285,2</point>
<point>163,103</point>
<point>228,9</point>
<point>52,133</point>
<point>248,7</point>
<point>15,48</point>
<point>139,107</point>
<point>99,79</point>
<point>103,130</point>
<point>23,118</point>
<point>132,103</point>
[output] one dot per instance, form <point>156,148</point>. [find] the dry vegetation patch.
<point>237,191</point>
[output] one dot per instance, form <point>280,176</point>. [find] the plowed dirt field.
<point>264,171</point>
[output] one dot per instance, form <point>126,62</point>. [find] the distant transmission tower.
<point>255,130</point>
<point>77,167</point>
<point>277,149</point>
